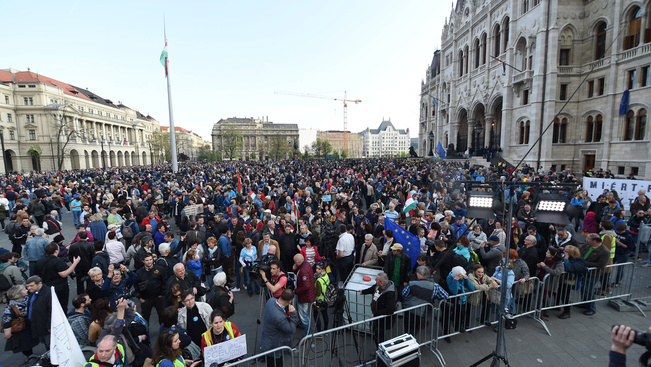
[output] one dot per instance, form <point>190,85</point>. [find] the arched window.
<point>589,129</point>
<point>640,124</point>
<point>477,53</point>
<point>497,35</point>
<point>506,32</point>
<point>597,128</point>
<point>629,126</point>
<point>460,63</point>
<point>600,44</point>
<point>525,6</point>
<point>634,27</point>
<point>466,52</point>
<point>560,131</point>
<point>484,46</point>
<point>525,127</point>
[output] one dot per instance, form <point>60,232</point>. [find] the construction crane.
<point>345,100</point>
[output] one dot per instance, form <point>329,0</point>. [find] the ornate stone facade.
<point>257,135</point>
<point>38,115</point>
<point>385,141</point>
<point>469,98</point>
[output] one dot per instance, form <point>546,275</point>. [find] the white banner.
<point>626,189</point>
<point>64,348</point>
<point>225,351</point>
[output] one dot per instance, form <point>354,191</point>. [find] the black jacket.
<point>405,266</point>
<point>41,310</point>
<point>149,283</point>
<point>530,256</point>
<point>191,280</point>
<point>86,252</point>
<point>102,261</point>
<point>218,299</point>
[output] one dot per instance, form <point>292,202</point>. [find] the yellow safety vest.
<point>177,362</point>
<point>118,362</point>
<point>207,338</point>
<point>612,244</point>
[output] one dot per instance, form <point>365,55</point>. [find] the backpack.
<point>291,282</point>
<point>5,283</point>
<point>127,231</point>
<point>331,294</point>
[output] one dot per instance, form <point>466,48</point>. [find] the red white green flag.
<point>410,206</point>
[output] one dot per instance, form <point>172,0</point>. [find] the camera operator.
<point>115,284</point>
<point>623,337</point>
<point>278,281</point>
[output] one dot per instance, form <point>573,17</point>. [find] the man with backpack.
<point>10,275</point>
<point>278,281</point>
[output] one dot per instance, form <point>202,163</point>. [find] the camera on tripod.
<point>263,264</point>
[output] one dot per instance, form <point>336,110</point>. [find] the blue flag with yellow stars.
<point>410,243</point>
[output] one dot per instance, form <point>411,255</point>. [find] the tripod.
<point>264,295</point>
<point>342,307</point>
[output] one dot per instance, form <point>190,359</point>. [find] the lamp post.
<point>4,152</point>
<point>431,144</point>
<point>151,157</point>
<point>492,136</point>
<point>103,157</point>
<point>478,129</point>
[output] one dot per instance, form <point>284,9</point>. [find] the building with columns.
<point>257,135</point>
<point>385,141</point>
<point>336,140</point>
<point>187,141</point>
<point>544,51</point>
<point>46,123</point>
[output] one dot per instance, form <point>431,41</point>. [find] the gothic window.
<point>477,53</point>
<point>496,37</point>
<point>634,28</point>
<point>560,131</point>
<point>600,44</point>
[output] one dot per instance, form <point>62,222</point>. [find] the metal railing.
<point>284,354</point>
<point>569,289</point>
<point>356,343</point>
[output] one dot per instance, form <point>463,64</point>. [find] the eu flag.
<point>623,105</point>
<point>410,243</point>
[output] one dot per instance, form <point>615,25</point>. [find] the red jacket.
<point>305,283</point>
<point>317,257</point>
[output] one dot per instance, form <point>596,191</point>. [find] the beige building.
<point>187,141</point>
<point>47,124</point>
<point>469,99</point>
<point>258,137</point>
<point>336,140</point>
<point>385,141</point>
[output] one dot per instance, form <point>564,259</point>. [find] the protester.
<point>194,316</point>
<point>18,340</point>
<point>383,303</point>
<point>79,318</point>
<point>220,297</point>
<point>39,309</point>
<point>220,331</point>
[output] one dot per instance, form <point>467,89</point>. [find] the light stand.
<point>499,354</point>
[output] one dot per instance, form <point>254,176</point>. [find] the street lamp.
<point>492,138</point>
<point>431,143</point>
<point>478,130</point>
<point>103,155</point>
<point>151,157</point>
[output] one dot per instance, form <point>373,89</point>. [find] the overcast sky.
<point>228,57</point>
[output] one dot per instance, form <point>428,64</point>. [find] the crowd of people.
<point>183,243</point>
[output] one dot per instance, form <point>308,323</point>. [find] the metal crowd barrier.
<point>356,343</point>
<point>286,356</point>
<point>612,282</point>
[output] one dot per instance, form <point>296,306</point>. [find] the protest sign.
<point>64,348</point>
<point>225,351</point>
<point>626,189</point>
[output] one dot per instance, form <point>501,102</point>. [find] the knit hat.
<point>494,238</point>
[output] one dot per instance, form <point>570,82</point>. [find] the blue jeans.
<point>238,277</point>
<point>619,259</point>
<point>648,247</point>
<point>75,217</point>
<point>588,291</point>
<point>304,315</point>
<point>250,284</point>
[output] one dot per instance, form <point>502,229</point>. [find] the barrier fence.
<point>356,342</point>
<point>613,282</point>
<point>282,356</point>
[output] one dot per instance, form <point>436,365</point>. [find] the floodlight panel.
<point>551,206</point>
<point>480,202</point>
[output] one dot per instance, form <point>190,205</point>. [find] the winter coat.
<point>204,312</point>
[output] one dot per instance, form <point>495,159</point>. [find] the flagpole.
<point>175,164</point>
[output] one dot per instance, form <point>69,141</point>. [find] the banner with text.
<point>626,189</point>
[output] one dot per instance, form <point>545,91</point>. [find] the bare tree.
<point>63,127</point>
<point>232,146</point>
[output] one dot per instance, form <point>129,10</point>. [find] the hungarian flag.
<point>410,206</point>
<point>251,194</point>
<point>163,58</point>
<point>503,65</point>
<point>239,183</point>
<point>295,212</point>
